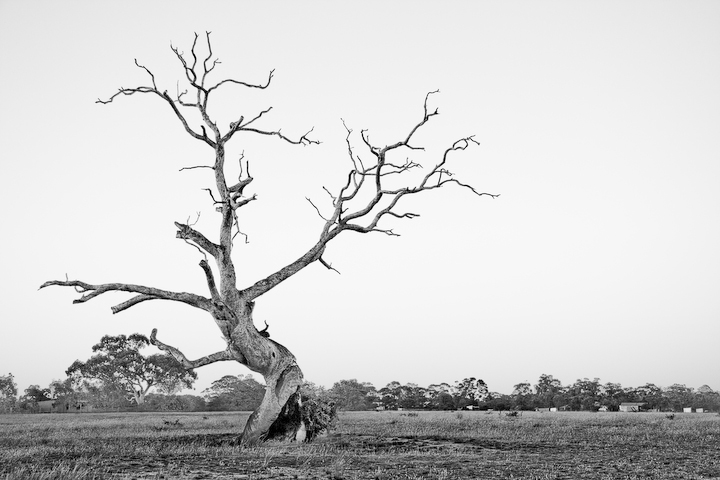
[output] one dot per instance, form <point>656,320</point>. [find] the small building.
<point>631,406</point>
<point>687,410</point>
<point>46,406</point>
<point>58,406</point>
<point>538,409</point>
<point>699,410</point>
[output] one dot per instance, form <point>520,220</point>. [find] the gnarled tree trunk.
<point>231,307</point>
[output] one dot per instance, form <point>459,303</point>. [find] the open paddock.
<point>365,445</point>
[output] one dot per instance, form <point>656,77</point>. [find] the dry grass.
<point>367,445</point>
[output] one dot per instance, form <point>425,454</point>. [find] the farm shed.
<point>45,406</point>
<point>77,406</point>
<point>55,406</point>
<point>631,406</point>
<point>691,410</point>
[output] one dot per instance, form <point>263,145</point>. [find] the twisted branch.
<point>222,356</point>
<point>90,291</point>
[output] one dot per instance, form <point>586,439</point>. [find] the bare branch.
<point>303,140</point>
<point>179,95</point>
<point>222,356</point>
<point>327,265</point>
<point>244,84</point>
<point>129,303</point>
<point>197,166</point>
<point>238,188</point>
<point>207,70</point>
<point>234,204</point>
<point>204,254</point>
<point>189,71</point>
<point>342,219</point>
<point>131,91</point>
<point>90,291</point>
<point>264,332</point>
<point>149,73</point>
<point>262,286</point>
<point>128,91</point>
<point>210,280</point>
<point>182,119</point>
<point>211,195</point>
<point>186,232</point>
<point>233,128</point>
<point>316,209</point>
<point>236,222</point>
<point>256,117</point>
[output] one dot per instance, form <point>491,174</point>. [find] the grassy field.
<point>367,445</point>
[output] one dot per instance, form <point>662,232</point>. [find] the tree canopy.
<point>230,392</point>
<point>8,392</point>
<point>118,363</point>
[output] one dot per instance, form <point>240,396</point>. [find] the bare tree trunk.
<point>260,354</point>
<point>277,394</point>
<point>281,373</point>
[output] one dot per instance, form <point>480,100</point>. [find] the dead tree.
<point>359,205</point>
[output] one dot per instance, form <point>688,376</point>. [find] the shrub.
<point>317,412</point>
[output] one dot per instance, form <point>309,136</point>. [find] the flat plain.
<point>365,445</point>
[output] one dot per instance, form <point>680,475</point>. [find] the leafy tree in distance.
<point>549,391</point>
<point>36,394</point>
<point>522,396</point>
<point>613,395</point>
<point>391,395</point>
<point>118,364</point>
<point>678,396</point>
<point>470,391</point>
<point>652,395</point>
<point>352,395</point>
<point>32,395</point>
<point>155,402</point>
<point>584,394</point>
<point>8,393</point>
<point>444,401</point>
<point>73,392</point>
<point>707,398</point>
<point>378,178</point>
<point>239,393</point>
<point>61,388</point>
<point>440,396</point>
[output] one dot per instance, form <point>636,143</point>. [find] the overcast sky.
<point>599,125</point>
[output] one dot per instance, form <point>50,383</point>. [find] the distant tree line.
<point>548,392</point>
<point>230,393</point>
<point>244,393</point>
<point>118,376</point>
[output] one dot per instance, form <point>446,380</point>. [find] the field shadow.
<point>426,443</point>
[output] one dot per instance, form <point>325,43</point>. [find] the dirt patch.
<point>379,444</point>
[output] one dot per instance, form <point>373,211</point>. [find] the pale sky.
<point>599,125</point>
